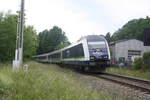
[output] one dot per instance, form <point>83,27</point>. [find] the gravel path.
<point>117,91</point>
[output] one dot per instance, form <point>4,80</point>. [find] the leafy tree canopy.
<point>30,42</point>
<point>50,40</point>
<point>8,32</point>
<point>133,29</point>
<point>8,27</point>
<point>108,37</point>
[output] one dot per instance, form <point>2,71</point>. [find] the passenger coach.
<point>90,53</point>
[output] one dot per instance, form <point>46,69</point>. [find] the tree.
<point>108,37</point>
<point>133,29</point>
<point>30,42</point>
<point>8,32</point>
<point>50,40</point>
<point>8,28</point>
<point>62,45</point>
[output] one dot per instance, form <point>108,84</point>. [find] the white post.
<point>19,42</point>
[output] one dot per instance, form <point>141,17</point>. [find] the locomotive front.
<point>98,50</point>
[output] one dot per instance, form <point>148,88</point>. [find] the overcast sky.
<point>80,17</point>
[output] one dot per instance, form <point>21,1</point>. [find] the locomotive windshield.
<point>96,45</point>
<point>95,38</point>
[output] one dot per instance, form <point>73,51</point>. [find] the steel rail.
<point>136,83</point>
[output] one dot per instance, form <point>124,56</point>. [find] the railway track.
<point>136,83</point>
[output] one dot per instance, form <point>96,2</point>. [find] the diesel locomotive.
<point>90,53</point>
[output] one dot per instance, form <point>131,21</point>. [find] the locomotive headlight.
<point>105,56</point>
<point>92,57</point>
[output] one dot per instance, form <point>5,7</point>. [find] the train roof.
<point>92,38</point>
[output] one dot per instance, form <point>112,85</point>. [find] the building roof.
<point>112,43</point>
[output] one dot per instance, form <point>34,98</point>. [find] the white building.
<point>124,50</point>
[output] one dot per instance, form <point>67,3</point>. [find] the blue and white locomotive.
<point>90,53</point>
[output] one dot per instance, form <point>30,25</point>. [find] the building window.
<point>133,53</point>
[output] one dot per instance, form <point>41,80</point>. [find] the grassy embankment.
<point>133,73</point>
<point>43,82</point>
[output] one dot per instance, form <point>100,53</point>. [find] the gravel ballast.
<point>117,91</point>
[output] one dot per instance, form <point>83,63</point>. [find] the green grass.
<point>133,73</point>
<point>44,82</point>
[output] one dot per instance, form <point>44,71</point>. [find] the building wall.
<point>123,47</point>
<point>120,49</point>
<point>112,52</point>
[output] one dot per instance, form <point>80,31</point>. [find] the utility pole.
<point>19,41</point>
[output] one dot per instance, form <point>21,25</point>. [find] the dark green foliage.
<point>138,63</point>
<point>50,40</point>
<point>8,31</point>
<point>146,55</point>
<point>8,27</point>
<point>146,60</point>
<point>30,42</point>
<point>143,63</point>
<point>62,45</point>
<point>108,37</point>
<point>133,29</point>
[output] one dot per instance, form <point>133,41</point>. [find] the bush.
<point>138,63</point>
<point>146,55</point>
<point>146,60</point>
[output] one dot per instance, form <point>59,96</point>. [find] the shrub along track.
<point>136,83</point>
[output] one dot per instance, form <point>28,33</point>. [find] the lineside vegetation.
<point>142,63</point>
<point>134,73</point>
<point>44,82</point>
<point>141,68</point>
